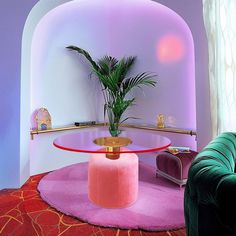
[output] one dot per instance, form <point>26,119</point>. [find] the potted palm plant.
<point>112,75</point>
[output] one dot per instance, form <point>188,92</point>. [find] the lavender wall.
<point>13,15</point>
<point>191,11</point>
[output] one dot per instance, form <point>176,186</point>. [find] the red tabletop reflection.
<point>82,141</point>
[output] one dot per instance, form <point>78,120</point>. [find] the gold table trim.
<point>113,145</point>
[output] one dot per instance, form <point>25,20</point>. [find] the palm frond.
<point>107,64</point>
<point>120,105</point>
<point>144,78</point>
<point>124,66</point>
<point>129,62</point>
<point>85,54</point>
<point>108,81</point>
<point>127,118</point>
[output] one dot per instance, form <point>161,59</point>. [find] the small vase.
<point>114,123</point>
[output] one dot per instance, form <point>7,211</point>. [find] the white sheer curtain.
<point>220,24</point>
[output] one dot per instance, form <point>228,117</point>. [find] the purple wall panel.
<point>13,15</point>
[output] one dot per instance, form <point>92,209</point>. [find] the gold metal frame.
<point>153,128</point>
<point>112,145</point>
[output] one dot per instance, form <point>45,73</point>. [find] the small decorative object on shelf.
<point>160,121</point>
<point>84,123</point>
<point>42,119</point>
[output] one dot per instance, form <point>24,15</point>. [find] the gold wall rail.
<point>33,132</point>
<point>165,129</point>
<point>153,128</point>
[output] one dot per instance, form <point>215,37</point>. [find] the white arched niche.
<point>57,79</point>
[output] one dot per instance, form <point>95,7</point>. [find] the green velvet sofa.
<point>210,192</point>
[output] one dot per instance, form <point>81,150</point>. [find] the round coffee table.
<point>113,169</point>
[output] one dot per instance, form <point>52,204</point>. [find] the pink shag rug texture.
<point>159,205</point>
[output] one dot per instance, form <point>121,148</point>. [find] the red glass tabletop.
<point>83,141</point>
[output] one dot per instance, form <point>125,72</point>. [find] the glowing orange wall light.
<point>170,48</point>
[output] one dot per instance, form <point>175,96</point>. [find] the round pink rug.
<point>159,205</point>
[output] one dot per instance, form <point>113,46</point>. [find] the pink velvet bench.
<point>174,167</point>
<point>113,183</point>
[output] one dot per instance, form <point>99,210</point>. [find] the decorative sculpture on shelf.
<point>112,73</point>
<point>160,121</point>
<point>42,119</point>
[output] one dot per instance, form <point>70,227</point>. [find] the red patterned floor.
<point>23,212</point>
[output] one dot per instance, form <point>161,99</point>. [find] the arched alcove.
<point>36,14</point>
<point>55,78</point>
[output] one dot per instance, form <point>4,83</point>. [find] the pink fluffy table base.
<point>113,183</point>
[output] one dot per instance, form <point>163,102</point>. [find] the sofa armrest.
<point>204,177</point>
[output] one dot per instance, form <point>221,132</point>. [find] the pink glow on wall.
<point>170,48</point>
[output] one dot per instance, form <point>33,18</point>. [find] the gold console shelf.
<point>153,128</point>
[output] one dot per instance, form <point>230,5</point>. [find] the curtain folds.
<point>219,20</point>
